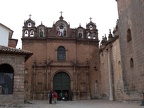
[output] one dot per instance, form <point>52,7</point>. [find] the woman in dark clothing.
<point>50,97</point>
<point>66,96</point>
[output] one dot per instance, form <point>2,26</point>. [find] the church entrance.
<point>61,84</point>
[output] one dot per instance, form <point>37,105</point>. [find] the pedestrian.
<point>66,96</point>
<point>50,97</point>
<point>60,95</point>
<point>55,96</point>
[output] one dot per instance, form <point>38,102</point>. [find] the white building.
<point>5,35</point>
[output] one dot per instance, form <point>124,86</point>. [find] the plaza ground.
<point>75,104</point>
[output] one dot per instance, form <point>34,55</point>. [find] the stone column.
<point>34,83</point>
<point>75,84</point>
<point>88,87</point>
<point>49,79</point>
<point>45,83</point>
<point>95,89</point>
<point>110,75</point>
<point>78,91</point>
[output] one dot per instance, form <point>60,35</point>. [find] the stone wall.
<point>111,72</point>
<point>131,17</point>
<point>118,89</point>
<point>17,63</point>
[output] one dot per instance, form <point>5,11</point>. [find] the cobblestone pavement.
<point>75,104</point>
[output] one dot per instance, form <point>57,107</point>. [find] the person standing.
<point>61,95</point>
<point>66,96</point>
<point>55,96</point>
<point>50,97</point>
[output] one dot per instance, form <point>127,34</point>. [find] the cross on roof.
<point>109,30</point>
<point>61,12</point>
<point>30,16</point>
<point>90,19</point>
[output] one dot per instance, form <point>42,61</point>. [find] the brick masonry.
<point>80,77</point>
<point>81,63</point>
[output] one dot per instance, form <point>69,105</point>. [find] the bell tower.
<point>29,29</point>
<point>91,30</point>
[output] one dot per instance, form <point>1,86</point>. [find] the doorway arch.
<point>6,79</point>
<point>61,83</point>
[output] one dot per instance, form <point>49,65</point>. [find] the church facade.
<point>64,60</point>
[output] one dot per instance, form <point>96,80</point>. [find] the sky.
<point>13,13</point>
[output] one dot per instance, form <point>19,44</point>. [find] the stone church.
<point>64,60</point>
<point>122,54</point>
<point>70,59</point>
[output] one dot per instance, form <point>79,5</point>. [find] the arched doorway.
<point>61,83</point>
<point>6,79</point>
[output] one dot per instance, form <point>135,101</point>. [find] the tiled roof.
<point>10,50</point>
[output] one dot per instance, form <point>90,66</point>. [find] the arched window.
<point>129,38</point>
<point>41,32</point>
<point>6,79</point>
<point>80,35</point>
<point>88,35</point>
<point>26,33</point>
<point>31,33</point>
<point>131,63</point>
<point>80,32</point>
<point>61,30</point>
<point>61,53</point>
<point>29,25</point>
<point>94,35</point>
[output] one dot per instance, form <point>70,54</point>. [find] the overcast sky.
<point>103,12</point>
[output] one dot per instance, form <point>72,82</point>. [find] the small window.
<point>131,63</point>
<point>61,53</point>
<point>129,38</point>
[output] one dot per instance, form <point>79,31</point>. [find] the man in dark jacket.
<point>50,97</point>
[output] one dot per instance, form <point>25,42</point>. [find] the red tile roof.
<point>10,50</point>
